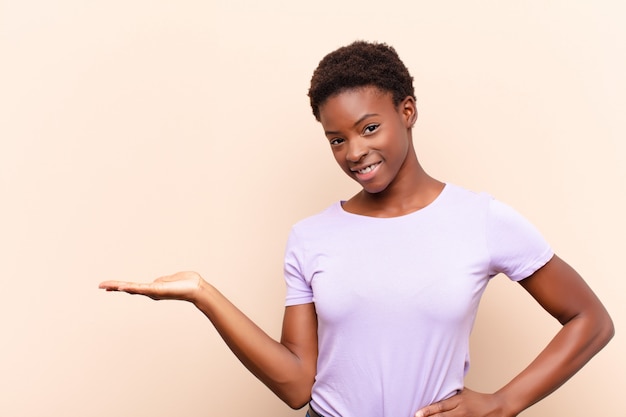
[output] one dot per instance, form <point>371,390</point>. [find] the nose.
<point>357,150</point>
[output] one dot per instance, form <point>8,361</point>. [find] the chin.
<point>374,189</point>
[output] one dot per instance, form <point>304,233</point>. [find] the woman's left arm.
<point>587,328</point>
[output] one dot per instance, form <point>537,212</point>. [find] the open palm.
<point>180,286</point>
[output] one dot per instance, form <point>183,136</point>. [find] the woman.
<point>383,288</point>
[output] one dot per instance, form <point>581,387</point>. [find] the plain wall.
<point>139,138</point>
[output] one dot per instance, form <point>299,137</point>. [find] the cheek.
<point>340,158</point>
<point>401,146</point>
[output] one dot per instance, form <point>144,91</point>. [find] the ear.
<point>409,111</point>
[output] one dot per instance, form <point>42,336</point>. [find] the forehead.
<point>351,105</point>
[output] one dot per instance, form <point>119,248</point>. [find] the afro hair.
<point>360,64</point>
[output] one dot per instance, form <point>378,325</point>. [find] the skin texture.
<point>364,129</point>
<point>286,367</point>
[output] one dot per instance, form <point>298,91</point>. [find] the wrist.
<point>202,292</point>
<point>506,405</point>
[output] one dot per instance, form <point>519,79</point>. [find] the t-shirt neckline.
<point>420,211</point>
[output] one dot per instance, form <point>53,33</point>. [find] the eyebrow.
<point>365,116</point>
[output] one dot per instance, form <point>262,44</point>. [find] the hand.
<point>467,403</point>
<point>180,286</point>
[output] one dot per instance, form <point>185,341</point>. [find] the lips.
<point>367,172</point>
<point>366,169</point>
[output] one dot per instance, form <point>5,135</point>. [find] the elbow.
<point>296,405</point>
<point>600,330</point>
<point>296,394</point>
<point>296,400</point>
<point>606,330</point>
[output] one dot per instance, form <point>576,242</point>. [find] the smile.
<point>368,168</point>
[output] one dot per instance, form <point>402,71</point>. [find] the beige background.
<point>141,137</point>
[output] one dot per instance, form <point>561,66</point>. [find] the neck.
<point>412,190</point>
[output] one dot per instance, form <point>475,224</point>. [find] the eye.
<point>369,129</point>
<point>336,141</point>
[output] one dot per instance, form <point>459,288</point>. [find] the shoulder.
<point>457,199</point>
<point>495,212</point>
<point>327,218</point>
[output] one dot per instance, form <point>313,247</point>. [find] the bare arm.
<point>587,328</point>
<point>287,367</point>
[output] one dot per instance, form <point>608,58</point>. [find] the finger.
<point>436,409</point>
<point>130,287</point>
<point>111,285</point>
<point>140,288</point>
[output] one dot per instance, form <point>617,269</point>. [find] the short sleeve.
<point>516,247</point>
<point>298,287</point>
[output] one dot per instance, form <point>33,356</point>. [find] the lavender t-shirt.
<point>396,297</point>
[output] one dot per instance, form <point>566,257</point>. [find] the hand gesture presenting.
<point>180,286</point>
<point>288,367</point>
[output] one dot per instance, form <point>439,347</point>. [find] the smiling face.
<point>370,136</point>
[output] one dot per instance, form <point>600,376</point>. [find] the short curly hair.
<point>357,65</point>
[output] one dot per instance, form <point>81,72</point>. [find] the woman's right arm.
<point>287,367</point>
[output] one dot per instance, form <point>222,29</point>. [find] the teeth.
<point>367,169</point>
